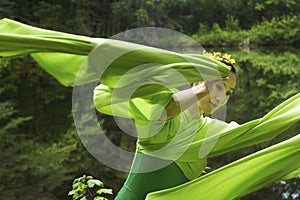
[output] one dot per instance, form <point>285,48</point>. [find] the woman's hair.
<point>232,68</point>
<point>225,58</point>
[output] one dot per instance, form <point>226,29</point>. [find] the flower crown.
<point>218,56</point>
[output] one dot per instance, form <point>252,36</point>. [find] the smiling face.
<point>218,94</point>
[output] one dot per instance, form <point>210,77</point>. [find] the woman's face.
<point>218,94</point>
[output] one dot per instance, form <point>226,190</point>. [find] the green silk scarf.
<point>241,177</point>
<point>75,60</point>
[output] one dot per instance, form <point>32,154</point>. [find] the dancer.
<point>174,138</point>
<point>177,153</point>
<point>182,109</point>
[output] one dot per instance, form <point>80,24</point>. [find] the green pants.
<point>166,175</point>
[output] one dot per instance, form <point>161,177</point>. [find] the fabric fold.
<point>241,177</point>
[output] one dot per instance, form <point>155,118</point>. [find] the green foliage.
<point>142,17</point>
<point>145,13</point>
<point>284,30</point>
<point>34,168</point>
<point>48,153</point>
<point>232,23</point>
<point>37,155</point>
<point>271,8</point>
<point>82,189</point>
<point>7,120</point>
<point>6,7</point>
<point>268,76</point>
<point>218,37</point>
<point>277,31</point>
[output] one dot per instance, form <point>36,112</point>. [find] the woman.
<point>209,95</point>
<point>174,138</point>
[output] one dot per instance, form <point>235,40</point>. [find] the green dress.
<point>190,141</point>
<point>182,144</point>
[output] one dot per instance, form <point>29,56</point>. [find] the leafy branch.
<point>83,187</point>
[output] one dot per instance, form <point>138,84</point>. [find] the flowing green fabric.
<point>62,55</point>
<point>241,177</point>
<point>137,82</point>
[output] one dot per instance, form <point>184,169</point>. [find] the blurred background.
<point>41,153</point>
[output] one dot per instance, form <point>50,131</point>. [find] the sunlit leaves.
<point>82,189</point>
<point>284,30</point>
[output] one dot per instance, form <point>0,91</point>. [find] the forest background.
<point>41,153</point>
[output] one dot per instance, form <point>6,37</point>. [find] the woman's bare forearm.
<point>184,99</point>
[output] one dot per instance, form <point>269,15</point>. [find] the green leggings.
<point>138,185</point>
